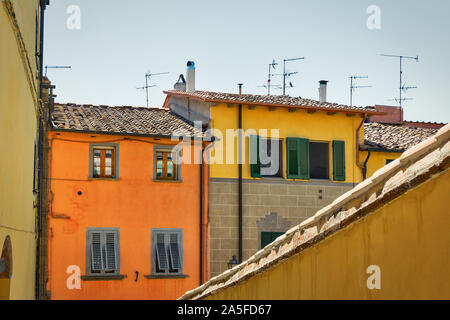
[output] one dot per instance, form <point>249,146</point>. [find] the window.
<point>103,162</point>
<point>269,237</point>
<point>389,161</point>
<point>167,251</point>
<point>297,152</point>
<point>166,167</point>
<point>310,160</point>
<point>318,159</point>
<point>102,247</point>
<point>265,157</point>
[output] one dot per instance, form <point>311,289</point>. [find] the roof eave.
<point>115,133</point>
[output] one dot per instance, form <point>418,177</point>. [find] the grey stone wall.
<point>273,205</point>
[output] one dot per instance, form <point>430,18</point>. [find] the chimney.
<point>180,85</point>
<point>190,77</point>
<point>323,91</point>
<point>240,88</point>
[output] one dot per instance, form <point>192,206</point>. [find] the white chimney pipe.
<point>190,77</point>
<point>323,91</point>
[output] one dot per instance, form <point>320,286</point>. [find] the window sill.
<point>103,277</point>
<point>103,179</point>
<point>166,276</point>
<point>168,181</point>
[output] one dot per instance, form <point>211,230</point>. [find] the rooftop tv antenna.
<point>353,87</point>
<point>148,76</point>
<point>56,67</point>
<point>269,84</point>
<point>402,88</point>
<point>288,74</point>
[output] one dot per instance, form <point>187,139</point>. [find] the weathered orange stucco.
<point>134,203</point>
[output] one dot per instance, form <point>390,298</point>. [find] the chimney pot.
<point>240,88</point>
<point>190,77</point>
<point>323,91</point>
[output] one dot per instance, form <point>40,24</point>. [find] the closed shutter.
<point>111,251</point>
<point>96,252</point>
<point>161,253</point>
<point>293,158</point>
<point>255,160</point>
<point>339,160</point>
<point>269,237</point>
<point>304,158</point>
<point>174,252</point>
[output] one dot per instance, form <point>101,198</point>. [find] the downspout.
<point>201,216</point>
<point>365,165</point>
<point>357,144</point>
<point>240,176</point>
<point>40,153</point>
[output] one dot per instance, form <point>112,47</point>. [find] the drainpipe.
<point>365,165</point>
<point>201,215</point>
<point>240,175</point>
<point>43,4</point>
<point>357,144</point>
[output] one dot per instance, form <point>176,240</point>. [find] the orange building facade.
<point>125,219</point>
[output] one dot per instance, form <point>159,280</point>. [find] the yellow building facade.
<point>385,239</point>
<point>19,116</point>
<point>250,202</point>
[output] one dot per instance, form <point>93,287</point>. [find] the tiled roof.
<point>394,137</point>
<point>280,101</point>
<point>417,165</point>
<point>121,120</point>
<point>424,124</point>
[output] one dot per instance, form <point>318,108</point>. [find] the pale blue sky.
<point>234,41</point>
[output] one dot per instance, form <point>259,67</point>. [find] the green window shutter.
<point>339,160</point>
<point>303,146</point>
<point>255,161</point>
<point>269,237</point>
<point>293,158</point>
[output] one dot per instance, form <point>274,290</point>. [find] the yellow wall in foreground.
<point>377,160</point>
<point>407,238</point>
<point>316,127</point>
<point>17,136</point>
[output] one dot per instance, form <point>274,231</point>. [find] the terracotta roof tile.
<point>394,137</point>
<point>122,120</point>
<point>285,101</point>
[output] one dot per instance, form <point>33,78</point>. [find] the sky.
<point>111,44</point>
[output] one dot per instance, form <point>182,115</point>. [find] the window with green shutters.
<point>297,152</point>
<point>269,237</point>
<point>255,160</point>
<point>339,160</point>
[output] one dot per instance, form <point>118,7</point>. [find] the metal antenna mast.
<point>288,74</point>
<point>272,65</point>
<point>402,86</point>
<point>353,87</point>
<point>148,76</point>
<point>56,67</point>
